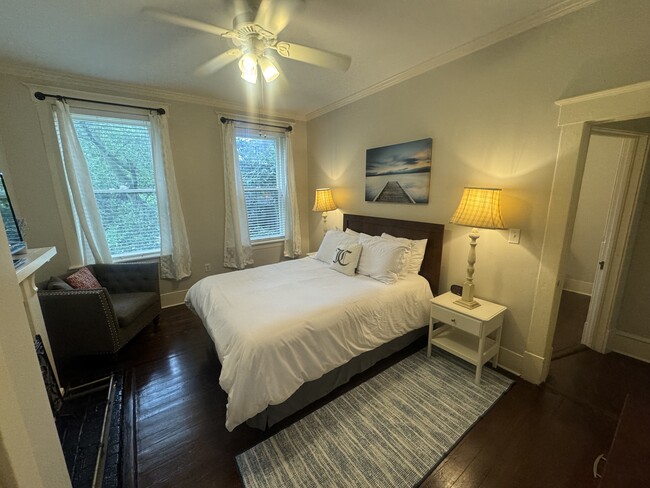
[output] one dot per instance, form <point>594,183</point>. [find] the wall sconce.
<point>478,208</point>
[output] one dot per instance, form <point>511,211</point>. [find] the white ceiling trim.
<point>551,13</point>
<point>40,75</point>
<point>620,90</point>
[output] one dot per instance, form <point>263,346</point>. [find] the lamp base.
<point>466,304</point>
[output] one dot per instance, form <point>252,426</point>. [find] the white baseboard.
<point>631,345</point>
<point>532,368</point>
<point>577,286</point>
<point>172,299</point>
<point>510,361</point>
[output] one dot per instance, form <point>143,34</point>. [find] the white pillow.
<point>351,232</point>
<point>346,259</point>
<point>417,251</point>
<point>331,241</point>
<point>381,259</point>
<point>409,244</point>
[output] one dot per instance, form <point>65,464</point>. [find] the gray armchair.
<point>100,321</point>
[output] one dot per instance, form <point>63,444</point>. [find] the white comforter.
<point>278,326</point>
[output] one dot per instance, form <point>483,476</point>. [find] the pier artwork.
<point>393,193</point>
<point>400,173</point>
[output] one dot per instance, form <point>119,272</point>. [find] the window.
<point>118,153</point>
<point>264,181</point>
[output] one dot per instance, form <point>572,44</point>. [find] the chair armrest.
<point>128,277</point>
<point>79,322</point>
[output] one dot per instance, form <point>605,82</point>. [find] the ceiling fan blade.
<point>218,62</point>
<point>274,15</point>
<point>170,18</point>
<point>317,57</point>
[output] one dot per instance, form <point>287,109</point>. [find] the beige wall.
<point>196,145</point>
<point>595,197</point>
<point>494,123</point>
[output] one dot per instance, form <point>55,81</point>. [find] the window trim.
<point>240,129</point>
<point>53,155</point>
<point>112,117</point>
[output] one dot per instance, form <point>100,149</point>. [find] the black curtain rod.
<point>225,119</point>
<point>43,96</point>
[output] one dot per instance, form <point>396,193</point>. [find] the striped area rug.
<point>390,431</point>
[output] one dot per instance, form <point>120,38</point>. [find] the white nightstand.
<point>466,332</point>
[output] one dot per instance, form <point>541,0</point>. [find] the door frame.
<point>620,219</point>
<point>577,115</point>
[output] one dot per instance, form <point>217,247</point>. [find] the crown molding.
<point>38,75</point>
<point>620,90</point>
<point>51,77</point>
<point>543,16</point>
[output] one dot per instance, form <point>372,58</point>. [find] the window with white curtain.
<point>118,151</point>
<point>264,180</point>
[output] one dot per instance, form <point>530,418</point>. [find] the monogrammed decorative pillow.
<point>346,259</point>
<point>332,240</point>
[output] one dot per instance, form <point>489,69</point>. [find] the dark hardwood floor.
<point>546,436</point>
<point>570,324</point>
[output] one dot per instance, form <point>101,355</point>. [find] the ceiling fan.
<point>255,36</point>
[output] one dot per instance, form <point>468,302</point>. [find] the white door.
<point>611,265</point>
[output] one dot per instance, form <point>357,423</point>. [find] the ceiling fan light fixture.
<point>250,75</point>
<point>248,67</point>
<point>255,31</point>
<point>269,69</point>
<point>248,62</point>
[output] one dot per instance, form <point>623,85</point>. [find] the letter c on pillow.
<point>341,255</point>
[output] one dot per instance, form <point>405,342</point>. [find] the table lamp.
<point>324,202</point>
<point>478,208</point>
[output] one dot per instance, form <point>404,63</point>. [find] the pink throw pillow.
<point>83,279</point>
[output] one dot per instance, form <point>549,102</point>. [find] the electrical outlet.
<point>514,236</point>
<point>208,267</point>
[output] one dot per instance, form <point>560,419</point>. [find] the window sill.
<point>138,257</point>
<point>267,243</point>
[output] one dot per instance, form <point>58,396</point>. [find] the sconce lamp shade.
<point>324,201</point>
<point>479,207</point>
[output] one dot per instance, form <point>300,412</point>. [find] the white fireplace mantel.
<point>35,258</point>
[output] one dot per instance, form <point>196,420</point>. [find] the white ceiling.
<point>112,40</point>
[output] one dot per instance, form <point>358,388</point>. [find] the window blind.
<point>118,154</point>
<point>263,178</point>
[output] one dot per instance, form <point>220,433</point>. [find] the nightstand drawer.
<point>457,320</point>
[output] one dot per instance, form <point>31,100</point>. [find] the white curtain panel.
<point>237,252</point>
<point>292,239</point>
<point>175,260</point>
<point>81,188</point>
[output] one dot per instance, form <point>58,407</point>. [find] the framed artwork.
<point>400,173</point>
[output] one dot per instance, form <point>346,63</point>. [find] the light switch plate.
<point>514,236</point>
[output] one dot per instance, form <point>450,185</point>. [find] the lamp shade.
<point>324,201</point>
<point>269,69</point>
<point>479,207</point>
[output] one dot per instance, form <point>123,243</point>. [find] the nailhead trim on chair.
<point>111,323</point>
<point>101,294</point>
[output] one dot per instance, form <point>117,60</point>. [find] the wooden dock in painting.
<point>393,193</point>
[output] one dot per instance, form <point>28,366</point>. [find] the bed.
<point>289,333</point>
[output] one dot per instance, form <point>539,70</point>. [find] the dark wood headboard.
<point>375,226</point>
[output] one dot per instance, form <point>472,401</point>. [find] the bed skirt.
<point>313,390</point>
